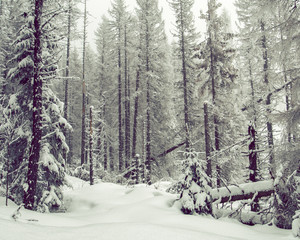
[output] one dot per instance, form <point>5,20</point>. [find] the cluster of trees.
<point>234,97</point>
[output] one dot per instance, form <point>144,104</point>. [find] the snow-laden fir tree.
<point>287,197</point>
<point>218,87</point>
<point>187,37</point>
<point>195,195</point>
<point>153,74</point>
<point>40,135</point>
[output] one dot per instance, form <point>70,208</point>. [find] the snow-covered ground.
<point>107,211</point>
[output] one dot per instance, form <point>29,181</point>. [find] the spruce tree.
<point>195,195</point>
<point>40,112</point>
<point>185,32</point>
<point>152,73</point>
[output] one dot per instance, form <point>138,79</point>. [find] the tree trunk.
<point>164,153</point>
<point>253,163</point>
<point>243,191</point>
<point>268,102</point>
<point>111,159</point>
<point>105,147</point>
<point>213,90</point>
<point>91,147</point>
<point>288,86</point>
<point>185,81</point>
<point>148,137</point>
<point>121,143</point>
<point>32,175</point>
<point>207,142</point>
<point>83,151</point>
<point>254,109</point>
<point>66,105</point>
<point>127,102</point>
<point>135,116</point>
<point>148,118</point>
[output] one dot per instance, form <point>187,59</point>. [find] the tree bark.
<point>253,163</point>
<point>127,102</point>
<point>66,105</point>
<point>185,80</point>
<point>213,88</point>
<point>243,191</point>
<point>268,103</point>
<point>32,175</point>
<point>121,143</point>
<point>148,118</point>
<point>207,142</point>
<point>164,153</point>
<point>135,116</point>
<point>83,152</point>
<point>91,148</point>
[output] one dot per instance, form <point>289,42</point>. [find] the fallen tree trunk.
<point>243,191</point>
<point>164,153</point>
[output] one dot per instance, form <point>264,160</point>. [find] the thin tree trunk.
<point>256,146</point>
<point>32,175</point>
<point>253,163</point>
<point>288,87</point>
<point>148,118</point>
<point>66,105</point>
<point>105,158</point>
<point>111,159</point>
<point>185,80</point>
<point>83,151</point>
<point>127,103</point>
<point>7,180</point>
<point>121,147</point>
<point>213,89</point>
<point>135,116</point>
<point>148,137</point>
<point>91,148</point>
<point>268,103</point>
<point>207,142</point>
<point>105,147</point>
<point>253,146</point>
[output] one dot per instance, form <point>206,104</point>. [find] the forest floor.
<point>108,211</point>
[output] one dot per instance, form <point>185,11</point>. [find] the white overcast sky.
<point>97,8</point>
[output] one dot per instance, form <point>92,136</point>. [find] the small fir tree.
<point>286,200</point>
<point>195,195</point>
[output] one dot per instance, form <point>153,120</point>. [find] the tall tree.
<point>103,48</point>
<point>118,14</point>
<point>34,157</point>
<point>152,72</point>
<point>217,81</point>
<point>83,127</point>
<point>185,32</point>
<point>38,111</point>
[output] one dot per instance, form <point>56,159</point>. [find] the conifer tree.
<point>119,19</point>
<point>152,73</point>
<point>84,92</point>
<point>195,196</point>
<point>185,32</point>
<point>217,82</point>
<point>39,110</point>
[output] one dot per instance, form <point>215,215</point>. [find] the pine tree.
<point>152,73</point>
<point>83,114</point>
<point>195,196</point>
<point>118,14</point>
<point>217,83</point>
<point>186,44</point>
<point>40,112</point>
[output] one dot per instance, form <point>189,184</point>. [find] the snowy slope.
<point>107,211</point>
